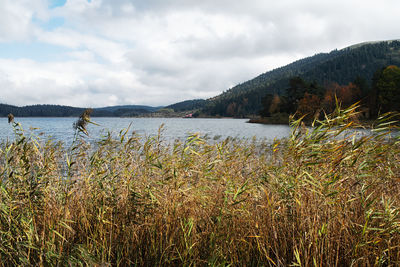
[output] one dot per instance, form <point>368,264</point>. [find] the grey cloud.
<point>162,51</point>
<point>338,17</point>
<point>155,62</point>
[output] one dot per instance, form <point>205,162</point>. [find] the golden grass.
<point>318,198</point>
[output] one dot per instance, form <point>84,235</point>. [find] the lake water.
<point>60,129</point>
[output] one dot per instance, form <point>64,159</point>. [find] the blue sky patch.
<point>37,51</point>
<point>56,3</point>
<point>51,24</point>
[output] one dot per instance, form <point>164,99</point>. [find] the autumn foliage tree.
<point>275,104</point>
<point>345,95</point>
<point>329,100</point>
<point>309,106</point>
<point>348,95</point>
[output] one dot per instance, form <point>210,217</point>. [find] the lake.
<point>60,129</point>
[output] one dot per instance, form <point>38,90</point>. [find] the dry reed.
<point>319,198</point>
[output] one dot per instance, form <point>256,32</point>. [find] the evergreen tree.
<point>388,86</point>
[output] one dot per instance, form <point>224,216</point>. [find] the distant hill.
<point>40,111</point>
<point>129,107</point>
<point>187,105</point>
<point>124,111</point>
<point>340,66</point>
<point>67,111</point>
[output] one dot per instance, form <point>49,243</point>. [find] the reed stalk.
<point>322,197</point>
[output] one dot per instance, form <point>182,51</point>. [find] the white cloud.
<point>112,51</point>
<point>16,18</point>
<point>158,52</point>
<point>77,83</point>
<point>82,55</point>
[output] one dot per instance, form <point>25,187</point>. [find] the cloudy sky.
<point>158,52</point>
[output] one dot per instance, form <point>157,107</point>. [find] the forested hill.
<point>67,111</point>
<point>340,66</point>
<point>187,105</point>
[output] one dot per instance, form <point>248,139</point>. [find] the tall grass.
<point>319,198</point>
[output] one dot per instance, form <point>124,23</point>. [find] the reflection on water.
<point>60,129</point>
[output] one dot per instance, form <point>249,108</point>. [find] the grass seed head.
<point>10,118</point>
<point>81,124</point>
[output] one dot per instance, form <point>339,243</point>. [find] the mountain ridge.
<point>339,66</point>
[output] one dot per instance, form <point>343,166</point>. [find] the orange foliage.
<point>275,104</point>
<point>348,94</point>
<point>308,106</point>
<point>345,94</point>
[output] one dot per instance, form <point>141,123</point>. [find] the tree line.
<point>67,111</point>
<point>311,100</point>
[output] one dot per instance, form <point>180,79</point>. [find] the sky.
<point>95,53</point>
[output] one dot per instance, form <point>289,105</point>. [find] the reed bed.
<point>322,197</point>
